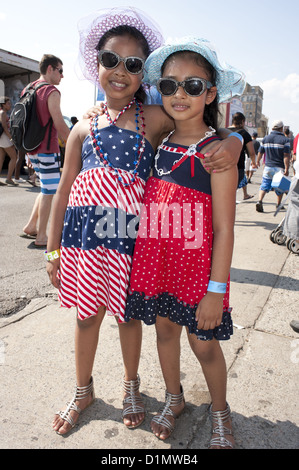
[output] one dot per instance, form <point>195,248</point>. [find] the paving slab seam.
<point>25,315</point>
<point>29,271</point>
<point>269,293</point>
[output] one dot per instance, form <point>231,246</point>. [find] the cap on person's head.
<point>277,125</point>
<point>254,134</point>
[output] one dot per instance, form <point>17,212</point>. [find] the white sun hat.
<point>94,26</point>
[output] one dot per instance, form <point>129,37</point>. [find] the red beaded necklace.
<point>140,145</point>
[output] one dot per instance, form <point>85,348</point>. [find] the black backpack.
<point>27,133</point>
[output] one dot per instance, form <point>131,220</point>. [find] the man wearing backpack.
<point>46,157</point>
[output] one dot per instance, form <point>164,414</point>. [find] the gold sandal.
<point>136,404</point>
<point>80,394</point>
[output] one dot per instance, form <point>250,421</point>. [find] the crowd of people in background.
<point>18,162</point>
<point>276,152</point>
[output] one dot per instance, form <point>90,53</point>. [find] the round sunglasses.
<point>192,86</point>
<point>110,60</point>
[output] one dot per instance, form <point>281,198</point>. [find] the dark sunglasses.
<point>59,70</point>
<point>192,86</point>
<point>110,60</point>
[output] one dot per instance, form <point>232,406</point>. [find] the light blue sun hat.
<point>230,82</point>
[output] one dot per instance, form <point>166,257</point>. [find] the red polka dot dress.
<point>172,256</point>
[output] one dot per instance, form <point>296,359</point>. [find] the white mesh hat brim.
<point>229,81</point>
<point>94,26</point>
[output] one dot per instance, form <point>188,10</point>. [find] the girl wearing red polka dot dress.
<point>183,252</point>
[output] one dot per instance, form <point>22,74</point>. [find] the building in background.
<point>227,110</point>
<point>16,72</point>
<point>250,103</point>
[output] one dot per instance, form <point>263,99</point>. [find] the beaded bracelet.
<point>217,287</point>
<point>52,255</point>
<point>236,134</point>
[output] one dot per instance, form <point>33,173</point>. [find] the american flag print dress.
<point>172,257</point>
<point>100,225</point>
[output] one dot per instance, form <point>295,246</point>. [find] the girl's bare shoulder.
<point>81,129</point>
<point>158,122</point>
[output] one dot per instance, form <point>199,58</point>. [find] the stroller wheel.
<point>289,243</point>
<point>279,238</point>
<point>272,235</point>
<point>294,246</point>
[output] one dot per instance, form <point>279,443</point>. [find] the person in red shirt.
<point>46,158</point>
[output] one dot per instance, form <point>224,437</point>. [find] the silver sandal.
<point>136,404</point>
<point>164,413</point>
<point>80,394</point>
<point>220,418</point>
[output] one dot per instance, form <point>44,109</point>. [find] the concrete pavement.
<point>37,373</point>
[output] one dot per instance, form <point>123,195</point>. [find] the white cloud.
<point>3,16</point>
<point>288,88</point>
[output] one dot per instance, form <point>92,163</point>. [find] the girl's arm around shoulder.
<point>224,154</point>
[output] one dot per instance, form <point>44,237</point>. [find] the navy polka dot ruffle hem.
<point>141,307</point>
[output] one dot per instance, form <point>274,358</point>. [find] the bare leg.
<point>279,199</point>
<point>245,193</point>
<point>261,194</point>
<point>130,339</point>
<point>168,344</point>
<point>20,159</point>
<point>210,356</point>
<point>86,341</point>
<point>31,226</point>
<point>2,156</point>
<point>11,152</point>
<point>43,218</point>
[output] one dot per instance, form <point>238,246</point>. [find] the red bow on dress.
<point>191,152</point>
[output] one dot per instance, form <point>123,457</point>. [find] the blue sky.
<point>259,36</point>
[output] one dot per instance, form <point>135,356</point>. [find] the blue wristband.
<point>236,134</point>
<point>217,287</point>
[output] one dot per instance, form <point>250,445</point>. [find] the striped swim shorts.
<point>47,168</point>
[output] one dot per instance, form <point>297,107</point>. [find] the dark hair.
<point>124,30</point>
<point>47,60</point>
<point>211,110</point>
<point>3,101</point>
<point>238,119</point>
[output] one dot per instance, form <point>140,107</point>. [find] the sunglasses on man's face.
<point>192,86</point>
<point>110,60</point>
<point>59,70</point>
